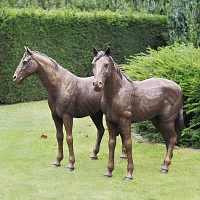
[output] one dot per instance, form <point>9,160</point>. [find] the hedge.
<point>180,63</point>
<point>68,36</point>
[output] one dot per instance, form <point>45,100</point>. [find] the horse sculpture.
<point>124,101</point>
<point>69,97</point>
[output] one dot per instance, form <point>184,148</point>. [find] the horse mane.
<point>117,67</point>
<point>101,54</point>
<point>56,64</point>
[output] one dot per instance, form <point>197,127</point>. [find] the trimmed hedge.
<point>180,63</point>
<point>68,36</point>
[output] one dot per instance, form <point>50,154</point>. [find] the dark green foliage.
<point>147,130</point>
<point>180,63</point>
<point>89,5</point>
<point>183,16</point>
<point>184,21</point>
<point>68,36</point>
<point>191,138</point>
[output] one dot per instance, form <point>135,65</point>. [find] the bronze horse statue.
<point>125,101</point>
<point>69,97</point>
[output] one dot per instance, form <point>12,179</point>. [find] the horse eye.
<point>106,65</point>
<point>25,62</point>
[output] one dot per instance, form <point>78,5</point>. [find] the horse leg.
<point>59,135</point>
<point>170,136</point>
<point>68,123</point>
<point>125,131</point>
<point>124,154</point>
<point>156,122</point>
<point>111,145</point>
<point>97,119</point>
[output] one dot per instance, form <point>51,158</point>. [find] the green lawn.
<point>26,158</point>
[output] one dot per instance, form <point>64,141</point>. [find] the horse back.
<point>155,96</point>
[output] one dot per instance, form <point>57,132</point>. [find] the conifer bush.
<point>68,36</point>
<point>180,63</point>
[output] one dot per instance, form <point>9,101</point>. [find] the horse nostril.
<point>14,77</point>
<point>97,85</point>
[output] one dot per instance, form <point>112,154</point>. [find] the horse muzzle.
<point>98,86</point>
<point>17,80</point>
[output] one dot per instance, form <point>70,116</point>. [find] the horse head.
<point>27,66</point>
<point>102,64</point>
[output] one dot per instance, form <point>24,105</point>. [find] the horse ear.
<point>29,52</point>
<point>95,52</point>
<point>107,52</point>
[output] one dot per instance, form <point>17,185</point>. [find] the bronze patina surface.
<point>125,101</point>
<point>69,97</point>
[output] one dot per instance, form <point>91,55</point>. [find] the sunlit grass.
<point>26,158</point>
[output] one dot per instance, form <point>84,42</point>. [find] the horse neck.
<point>52,75</point>
<point>116,82</point>
<point>113,84</point>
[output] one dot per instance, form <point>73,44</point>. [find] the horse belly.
<point>87,105</point>
<point>148,106</point>
<point>144,114</point>
<point>87,110</point>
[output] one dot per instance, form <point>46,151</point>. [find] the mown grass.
<point>26,158</point>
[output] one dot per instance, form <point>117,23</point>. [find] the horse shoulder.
<point>63,100</point>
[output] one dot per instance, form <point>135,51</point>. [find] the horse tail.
<point>179,122</point>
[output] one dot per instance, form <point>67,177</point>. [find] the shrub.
<point>68,36</point>
<point>180,63</point>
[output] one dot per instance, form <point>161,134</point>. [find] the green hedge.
<point>68,36</point>
<point>180,63</point>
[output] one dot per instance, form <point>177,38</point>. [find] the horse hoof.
<point>128,178</point>
<point>164,171</point>
<point>93,158</point>
<point>54,166</point>
<point>69,169</point>
<point>107,175</point>
<point>123,157</point>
